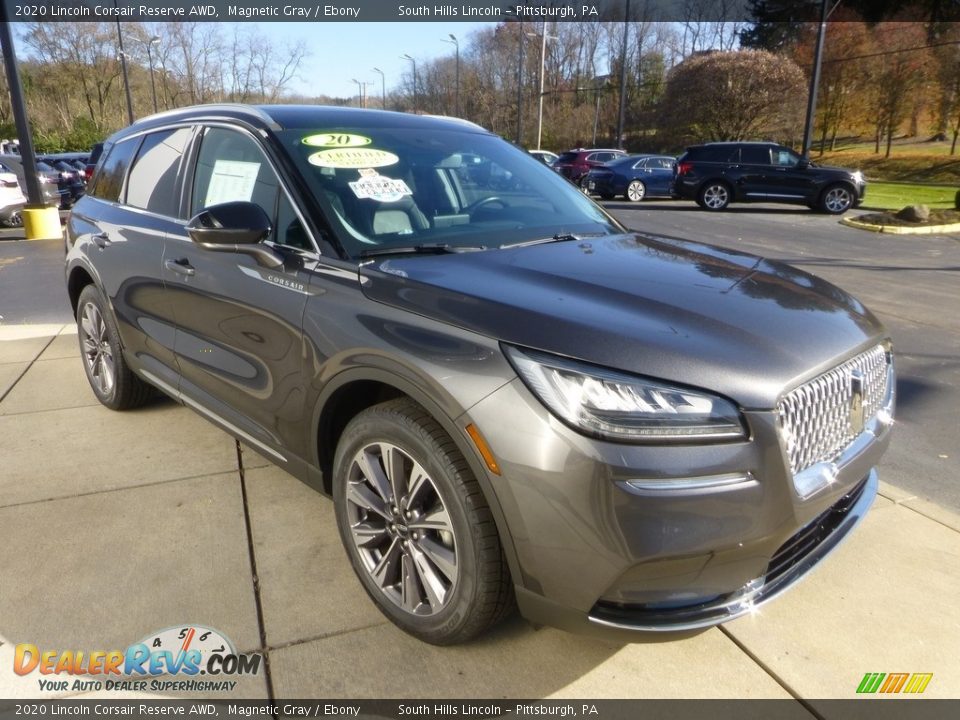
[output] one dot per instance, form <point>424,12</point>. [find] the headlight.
<point>858,177</point>
<point>617,406</point>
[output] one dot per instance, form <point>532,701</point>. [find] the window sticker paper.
<point>231,180</point>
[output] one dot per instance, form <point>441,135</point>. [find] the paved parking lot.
<point>115,525</point>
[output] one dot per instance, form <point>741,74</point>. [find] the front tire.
<point>836,199</point>
<point>110,378</point>
<point>416,526</point>
<point>714,196</point>
<point>636,191</point>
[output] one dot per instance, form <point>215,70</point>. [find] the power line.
<point>890,52</point>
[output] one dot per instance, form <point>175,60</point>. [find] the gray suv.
<point>510,397</point>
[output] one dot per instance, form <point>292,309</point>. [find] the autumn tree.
<point>741,95</point>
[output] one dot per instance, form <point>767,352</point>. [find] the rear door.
<point>239,324</point>
<point>754,170</point>
<point>124,225</point>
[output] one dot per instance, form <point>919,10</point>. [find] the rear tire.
<point>111,380</point>
<point>714,196</point>
<point>416,526</point>
<point>636,191</point>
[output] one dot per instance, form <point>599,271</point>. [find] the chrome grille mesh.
<point>816,416</point>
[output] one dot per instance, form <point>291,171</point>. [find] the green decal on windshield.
<point>353,158</point>
<point>336,140</point>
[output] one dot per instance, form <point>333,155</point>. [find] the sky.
<point>342,51</point>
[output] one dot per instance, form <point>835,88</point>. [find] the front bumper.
<point>613,538</point>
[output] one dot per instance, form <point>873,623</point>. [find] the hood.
<point>686,312</point>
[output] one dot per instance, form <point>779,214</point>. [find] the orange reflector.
<point>481,444</point>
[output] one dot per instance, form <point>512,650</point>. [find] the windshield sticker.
<point>231,180</point>
<point>336,140</point>
<point>353,158</point>
<point>380,188</point>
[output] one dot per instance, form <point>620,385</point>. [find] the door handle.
<point>181,266</point>
<point>101,240</point>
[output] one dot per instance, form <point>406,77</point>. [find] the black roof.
<point>291,117</point>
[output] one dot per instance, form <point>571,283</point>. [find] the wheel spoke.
<point>87,324</point>
<point>443,558</point>
<point>438,520</point>
<point>373,473</point>
<point>106,373</point>
<point>432,585</point>
<point>411,591</point>
<point>393,465</point>
<point>416,484</point>
<point>368,535</point>
<point>387,569</point>
<point>361,496</point>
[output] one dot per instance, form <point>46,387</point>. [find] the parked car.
<point>575,164</point>
<point>12,198</point>
<point>56,192</point>
<point>95,153</point>
<point>635,177</point>
<point>70,177</point>
<point>545,156</point>
<point>509,395</point>
<point>717,174</point>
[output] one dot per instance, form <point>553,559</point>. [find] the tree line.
<point>699,79</point>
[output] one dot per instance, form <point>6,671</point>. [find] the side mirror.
<point>234,227</point>
<point>803,164</point>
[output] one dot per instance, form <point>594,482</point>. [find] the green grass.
<point>895,195</point>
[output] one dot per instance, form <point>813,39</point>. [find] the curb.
<point>903,230</point>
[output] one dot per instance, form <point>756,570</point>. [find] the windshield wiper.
<point>559,237</point>
<point>433,249</point>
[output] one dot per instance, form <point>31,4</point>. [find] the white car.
<point>12,199</point>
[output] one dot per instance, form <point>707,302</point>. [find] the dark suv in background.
<point>717,174</point>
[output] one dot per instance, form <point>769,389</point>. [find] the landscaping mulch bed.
<point>937,217</point>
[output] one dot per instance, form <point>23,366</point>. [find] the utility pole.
<point>623,76</point>
<point>815,79</point>
<point>40,221</point>
<point>520,86</point>
<point>123,66</point>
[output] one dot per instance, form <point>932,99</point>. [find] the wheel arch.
<point>77,279</point>
<point>353,390</point>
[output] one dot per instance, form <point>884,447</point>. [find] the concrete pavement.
<point>115,525</point>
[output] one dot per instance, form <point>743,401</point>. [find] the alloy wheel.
<point>716,197</point>
<point>401,529</point>
<point>97,353</point>
<point>837,200</point>
<point>636,191</point>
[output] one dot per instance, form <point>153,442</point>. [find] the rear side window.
<point>714,154</point>
<point>153,182</point>
<point>567,157</point>
<point>753,155</point>
<point>109,182</point>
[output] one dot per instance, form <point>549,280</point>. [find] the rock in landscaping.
<point>915,213</point>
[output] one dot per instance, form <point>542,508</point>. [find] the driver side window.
<point>232,167</point>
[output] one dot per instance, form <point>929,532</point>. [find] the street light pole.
<point>543,54</point>
<point>623,76</point>
<point>453,41</point>
<point>383,88</point>
<point>407,57</point>
<point>520,87</point>
<point>359,89</point>
<point>155,40</point>
<point>815,80</point>
<point>123,66</point>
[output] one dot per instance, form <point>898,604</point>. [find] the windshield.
<point>406,187</point>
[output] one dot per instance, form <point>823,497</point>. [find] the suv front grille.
<point>816,417</point>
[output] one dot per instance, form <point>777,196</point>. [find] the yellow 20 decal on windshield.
<point>336,140</point>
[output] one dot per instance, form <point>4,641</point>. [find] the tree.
<point>733,96</point>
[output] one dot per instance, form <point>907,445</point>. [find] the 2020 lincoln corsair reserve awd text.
<point>510,397</point>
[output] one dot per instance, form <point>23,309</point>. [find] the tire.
<point>14,220</point>
<point>582,184</point>
<point>714,196</point>
<point>110,378</point>
<point>431,561</point>
<point>636,191</point>
<point>836,199</point>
